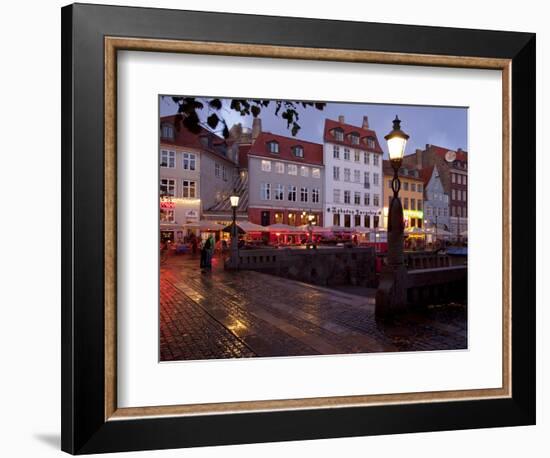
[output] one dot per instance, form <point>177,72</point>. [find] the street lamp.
<point>391,295</point>
<point>234,199</point>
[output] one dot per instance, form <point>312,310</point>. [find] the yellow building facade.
<point>411,195</point>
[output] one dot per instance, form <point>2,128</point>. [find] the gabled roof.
<point>426,174</point>
<point>313,152</point>
<point>348,129</point>
<point>204,140</point>
<point>388,170</point>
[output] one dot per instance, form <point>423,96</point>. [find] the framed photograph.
<point>281,228</point>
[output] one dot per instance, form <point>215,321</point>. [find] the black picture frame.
<point>84,428</point>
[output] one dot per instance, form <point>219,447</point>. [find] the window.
<point>315,194</point>
<point>405,186</point>
<point>347,220</point>
<point>346,154</point>
<point>265,191</point>
<point>413,204</point>
<point>465,180</point>
<point>336,219</point>
<point>278,218</point>
<point>464,195</point>
<point>406,203</point>
<point>292,169</point>
<point>357,198</point>
<point>367,221</point>
<point>315,172</point>
<point>298,151</point>
<point>453,194</point>
<point>266,166</point>
<point>445,211</point>
<point>429,211</point>
<point>217,170</point>
<point>371,143</point>
<point>339,134</point>
<point>304,171</point>
<point>279,192</point>
<point>336,173</point>
<point>189,189</point>
<point>376,200</point>
<point>366,199</point>
<point>376,222</point>
<point>366,180</point>
<point>336,196</point>
<point>167,131</point>
<point>336,152</point>
<point>453,178</point>
<point>347,174</point>
<point>292,193</point>
<point>366,158</point>
<point>419,205</point>
<point>357,176</point>
<point>292,219</point>
<point>303,194</point>
<point>413,187</point>
<point>419,187</point>
<point>167,187</point>
<point>224,172</point>
<point>347,197</point>
<point>389,184</point>
<point>355,140</point>
<point>189,161</point>
<point>273,147</point>
<point>357,156</point>
<point>168,159</point>
<point>357,220</point>
<point>375,159</point>
<point>279,167</point>
<point>167,216</point>
<point>375,179</point>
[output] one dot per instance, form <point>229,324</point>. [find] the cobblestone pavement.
<point>245,314</point>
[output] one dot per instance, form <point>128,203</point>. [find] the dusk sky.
<point>442,126</point>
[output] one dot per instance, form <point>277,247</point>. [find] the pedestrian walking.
<point>202,248</point>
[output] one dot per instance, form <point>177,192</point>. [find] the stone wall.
<point>323,266</point>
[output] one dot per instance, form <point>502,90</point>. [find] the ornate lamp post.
<point>391,296</point>
<point>234,199</point>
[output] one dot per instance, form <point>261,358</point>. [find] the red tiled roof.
<point>185,138</point>
<point>440,151</point>
<point>348,129</point>
<point>313,152</point>
<point>426,174</point>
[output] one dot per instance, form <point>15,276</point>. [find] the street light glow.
<point>397,140</point>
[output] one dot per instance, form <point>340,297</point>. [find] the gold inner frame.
<point>114,44</point>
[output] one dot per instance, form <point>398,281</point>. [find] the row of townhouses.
<point>342,181</point>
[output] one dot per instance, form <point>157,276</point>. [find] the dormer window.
<point>273,147</point>
<point>298,151</point>
<point>167,131</point>
<point>339,135</point>
<point>371,143</point>
<point>354,138</point>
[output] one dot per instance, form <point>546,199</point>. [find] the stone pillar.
<point>391,296</point>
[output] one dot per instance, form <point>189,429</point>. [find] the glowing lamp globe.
<point>397,140</point>
<point>234,199</point>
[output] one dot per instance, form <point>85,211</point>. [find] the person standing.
<point>202,248</point>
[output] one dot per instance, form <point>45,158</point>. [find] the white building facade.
<point>353,176</point>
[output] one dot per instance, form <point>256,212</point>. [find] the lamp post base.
<point>391,296</point>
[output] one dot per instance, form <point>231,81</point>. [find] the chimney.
<point>341,119</point>
<point>419,158</point>
<point>365,122</point>
<point>256,128</point>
